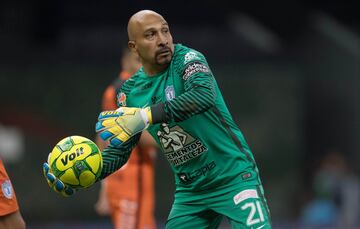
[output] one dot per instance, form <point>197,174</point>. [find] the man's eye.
<point>149,35</point>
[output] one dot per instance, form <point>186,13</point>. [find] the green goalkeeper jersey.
<point>192,124</point>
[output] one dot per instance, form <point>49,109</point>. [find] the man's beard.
<point>163,56</point>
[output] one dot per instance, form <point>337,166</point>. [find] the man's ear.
<point>132,46</point>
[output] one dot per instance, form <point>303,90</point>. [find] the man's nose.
<point>162,40</point>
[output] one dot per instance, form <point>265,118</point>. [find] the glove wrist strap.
<point>146,115</point>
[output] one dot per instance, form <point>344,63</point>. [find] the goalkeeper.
<point>176,98</point>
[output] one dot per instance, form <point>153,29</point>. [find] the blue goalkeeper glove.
<point>56,184</point>
<point>120,125</point>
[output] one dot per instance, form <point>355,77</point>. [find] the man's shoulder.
<point>185,55</point>
<point>129,83</point>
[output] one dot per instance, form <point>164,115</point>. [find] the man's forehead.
<point>152,22</point>
<point>155,25</point>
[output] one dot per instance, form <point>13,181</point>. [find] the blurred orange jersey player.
<point>10,216</point>
<point>128,194</point>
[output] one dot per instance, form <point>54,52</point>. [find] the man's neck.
<point>152,70</point>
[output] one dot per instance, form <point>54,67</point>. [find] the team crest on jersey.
<point>179,146</point>
<point>7,190</point>
<point>191,56</point>
<point>121,98</point>
<point>170,92</point>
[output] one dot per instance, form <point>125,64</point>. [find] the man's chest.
<point>148,92</point>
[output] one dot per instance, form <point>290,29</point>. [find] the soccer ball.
<point>76,161</point>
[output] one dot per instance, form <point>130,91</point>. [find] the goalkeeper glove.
<point>56,184</point>
<point>120,125</point>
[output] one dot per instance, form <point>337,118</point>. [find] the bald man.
<point>154,45</point>
<point>176,98</point>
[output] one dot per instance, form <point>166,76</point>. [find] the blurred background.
<point>289,71</point>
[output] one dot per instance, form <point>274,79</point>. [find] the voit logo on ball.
<point>72,156</point>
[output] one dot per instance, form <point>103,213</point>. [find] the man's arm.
<point>115,157</point>
<point>199,96</point>
<point>13,220</point>
<point>146,140</point>
<point>102,204</point>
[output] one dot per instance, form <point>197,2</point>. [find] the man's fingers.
<point>69,191</point>
<point>46,168</point>
<point>59,186</point>
<point>51,178</point>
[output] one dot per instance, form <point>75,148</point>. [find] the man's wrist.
<point>158,114</point>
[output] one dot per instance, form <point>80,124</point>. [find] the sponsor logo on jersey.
<point>193,68</point>
<point>170,92</point>
<point>244,195</point>
<point>179,146</point>
<point>190,56</point>
<point>190,177</point>
<point>121,99</point>
<point>7,190</point>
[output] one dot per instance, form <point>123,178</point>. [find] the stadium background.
<point>289,71</point>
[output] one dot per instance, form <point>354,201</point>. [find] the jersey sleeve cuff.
<point>158,113</point>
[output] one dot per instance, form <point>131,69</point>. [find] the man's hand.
<point>120,125</point>
<point>56,184</point>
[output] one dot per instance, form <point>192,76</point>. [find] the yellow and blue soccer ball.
<point>76,161</point>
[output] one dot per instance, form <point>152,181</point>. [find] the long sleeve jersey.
<point>205,148</point>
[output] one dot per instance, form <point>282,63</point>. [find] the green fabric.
<point>206,150</point>
<point>240,209</point>
<point>115,157</point>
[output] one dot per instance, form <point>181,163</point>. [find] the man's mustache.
<point>163,50</point>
